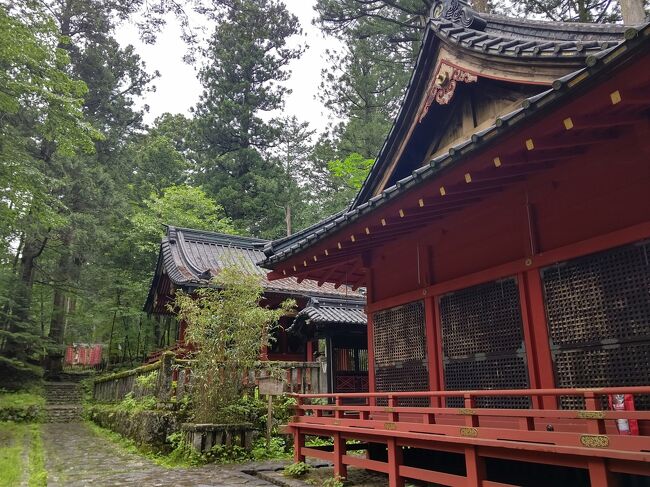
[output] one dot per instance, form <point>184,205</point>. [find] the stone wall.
<point>143,427</point>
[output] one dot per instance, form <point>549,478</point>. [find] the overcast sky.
<point>178,89</point>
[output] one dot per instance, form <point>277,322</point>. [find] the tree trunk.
<point>287,218</point>
<point>632,12</point>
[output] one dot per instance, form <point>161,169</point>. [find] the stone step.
<point>62,393</point>
<point>62,414</point>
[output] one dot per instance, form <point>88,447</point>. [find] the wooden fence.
<point>171,377</point>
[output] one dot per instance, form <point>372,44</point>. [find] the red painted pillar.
<point>370,332</point>
<point>539,355</point>
<point>298,444</point>
<point>599,476</point>
<point>340,468</point>
<point>475,467</point>
<point>298,438</point>
<point>395,457</point>
<point>432,347</point>
<point>310,351</point>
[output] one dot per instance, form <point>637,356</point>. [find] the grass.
<point>20,399</point>
<point>129,446</point>
<point>14,463</point>
<point>21,406</point>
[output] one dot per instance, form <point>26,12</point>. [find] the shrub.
<point>228,327</point>
<point>335,481</point>
<point>21,407</point>
<point>296,470</point>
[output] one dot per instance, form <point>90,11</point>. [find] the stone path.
<point>76,457</point>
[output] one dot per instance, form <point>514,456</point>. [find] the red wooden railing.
<point>582,435</point>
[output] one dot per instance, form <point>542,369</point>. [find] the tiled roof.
<point>503,36</point>
<point>321,311</point>
<point>192,258</point>
<point>494,38</point>
<point>562,90</point>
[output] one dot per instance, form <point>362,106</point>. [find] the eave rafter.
<point>574,131</point>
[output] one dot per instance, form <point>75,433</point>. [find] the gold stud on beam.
<point>315,259</point>
<point>401,213</point>
<point>284,272</point>
<point>304,263</point>
<point>468,177</point>
<point>421,202</point>
<point>615,97</point>
<point>338,244</point>
<point>294,268</point>
<point>442,191</point>
<point>367,231</point>
<point>568,123</point>
<point>383,222</point>
<point>327,252</point>
<point>529,144</point>
<point>352,238</point>
<point>497,162</point>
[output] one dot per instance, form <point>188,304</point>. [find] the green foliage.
<point>182,206</point>
<point>296,470</point>
<point>168,460</point>
<point>277,449</point>
<point>21,406</point>
<point>229,327</point>
<point>133,404</point>
<point>247,60</point>
<point>147,381</point>
<point>352,170</point>
<point>336,481</point>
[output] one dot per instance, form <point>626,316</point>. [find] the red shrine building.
<point>503,237</point>
<point>314,355</point>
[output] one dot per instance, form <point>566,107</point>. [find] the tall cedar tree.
<point>247,59</point>
<point>83,186</point>
<point>40,110</point>
<point>292,156</point>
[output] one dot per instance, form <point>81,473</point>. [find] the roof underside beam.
<point>573,130</point>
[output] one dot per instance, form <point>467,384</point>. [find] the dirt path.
<point>76,457</point>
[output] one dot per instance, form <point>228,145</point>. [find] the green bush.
<point>296,470</point>
<point>21,407</point>
<point>147,381</point>
<point>335,481</point>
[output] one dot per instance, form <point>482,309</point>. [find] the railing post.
<point>298,444</point>
<point>392,415</point>
<point>165,377</point>
<point>395,455</point>
<point>340,468</point>
<point>594,426</point>
<point>365,415</point>
<point>599,476</point>
<point>338,414</point>
<point>430,418</point>
<point>298,437</point>
<point>470,417</point>
<point>475,467</point>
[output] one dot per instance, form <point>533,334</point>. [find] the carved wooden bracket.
<point>443,86</point>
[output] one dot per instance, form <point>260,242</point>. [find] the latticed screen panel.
<point>624,365</point>
<point>400,351</point>
<point>483,343</point>
<point>598,313</point>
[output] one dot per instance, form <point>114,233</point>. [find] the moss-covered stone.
<point>149,427</point>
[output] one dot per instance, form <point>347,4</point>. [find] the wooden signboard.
<point>270,387</point>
